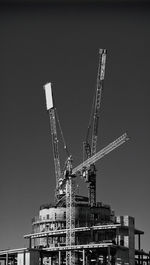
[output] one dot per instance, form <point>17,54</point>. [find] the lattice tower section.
<point>70,219</point>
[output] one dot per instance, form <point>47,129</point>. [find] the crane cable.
<point>90,119</point>
<point>62,135</point>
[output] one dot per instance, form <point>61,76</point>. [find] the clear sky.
<point>59,43</point>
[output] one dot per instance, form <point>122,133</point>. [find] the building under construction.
<point>76,229</point>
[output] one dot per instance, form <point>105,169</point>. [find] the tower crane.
<point>69,189</point>
<point>68,181</point>
<point>65,180</point>
<point>90,148</point>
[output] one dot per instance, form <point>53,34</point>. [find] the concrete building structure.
<point>103,237</point>
<point>100,238</point>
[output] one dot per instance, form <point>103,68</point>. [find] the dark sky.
<point>59,43</point>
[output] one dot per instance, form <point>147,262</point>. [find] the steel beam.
<point>83,256</point>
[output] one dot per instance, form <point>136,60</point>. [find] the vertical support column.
<point>87,262</point>
<point>7,258</point>
<point>41,258</point>
<point>47,243</point>
<point>109,256</point>
<point>30,242</point>
<point>139,241</point>
<point>117,233</point>
<point>130,222</point>
<point>59,257</point>
<point>142,259</point>
<point>92,234</point>
<point>147,261</point>
<point>83,253</point>
<point>13,260</point>
<point>24,258</point>
<point>139,247</point>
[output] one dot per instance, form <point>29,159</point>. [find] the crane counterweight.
<point>48,94</point>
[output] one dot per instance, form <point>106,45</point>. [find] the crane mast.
<point>70,211</point>
<point>51,112</point>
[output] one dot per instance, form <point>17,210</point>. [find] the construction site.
<point>76,229</point>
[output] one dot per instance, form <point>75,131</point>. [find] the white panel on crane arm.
<point>48,94</point>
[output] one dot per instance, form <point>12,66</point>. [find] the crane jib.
<point>99,87</point>
<point>119,141</point>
